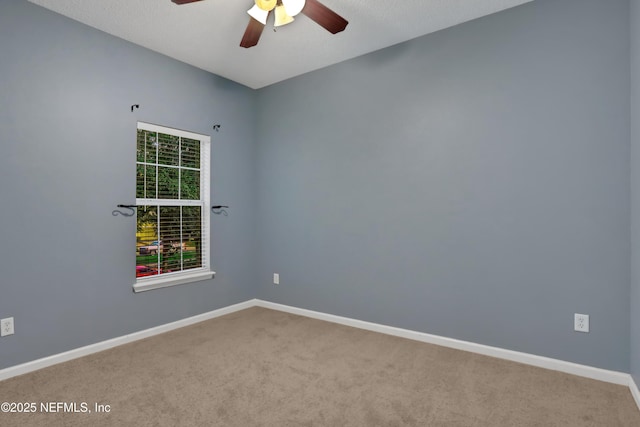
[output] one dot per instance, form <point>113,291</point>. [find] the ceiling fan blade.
<point>324,16</point>
<point>252,33</point>
<point>184,1</point>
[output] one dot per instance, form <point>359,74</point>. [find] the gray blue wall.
<point>68,158</point>
<point>473,183</point>
<point>635,190</point>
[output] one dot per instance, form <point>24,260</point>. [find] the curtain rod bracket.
<point>132,210</point>
<point>220,209</point>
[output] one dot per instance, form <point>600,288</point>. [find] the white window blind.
<point>172,195</point>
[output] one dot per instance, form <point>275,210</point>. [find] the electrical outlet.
<point>6,326</point>
<point>276,279</point>
<point>581,322</point>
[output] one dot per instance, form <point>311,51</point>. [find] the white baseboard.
<point>614,377</point>
<point>634,390</point>
<point>104,345</point>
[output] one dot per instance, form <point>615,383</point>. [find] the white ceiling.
<point>207,34</point>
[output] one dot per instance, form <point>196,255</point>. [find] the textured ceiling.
<point>207,34</point>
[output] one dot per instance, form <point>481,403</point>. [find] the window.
<point>172,195</point>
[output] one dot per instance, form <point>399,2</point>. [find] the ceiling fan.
<point>285,10</point>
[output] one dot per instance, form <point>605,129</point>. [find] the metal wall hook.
<point>135,106</point>
<point>220,209</point>
<point>132,210</point>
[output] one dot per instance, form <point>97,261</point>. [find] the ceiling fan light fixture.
<point>282,18</point>
<point>266,5</point>
<point>259,14</point>
<point>293,7</point>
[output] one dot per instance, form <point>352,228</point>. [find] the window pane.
<point>190,153</point>
<point>192,236</point>
<point>170,239</point>
<point>168,146</point>
<point>140,181</point>
<point>151,147</point>
<point>147,241</point>
<point>149,181</point>
<point>145,181</point>
<point>140,145</point>
<point>189,184</point>
<point>167,183</point>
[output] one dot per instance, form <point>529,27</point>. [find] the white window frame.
<point>197,274</point>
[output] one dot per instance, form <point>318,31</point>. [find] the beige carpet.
<point>260,367</point>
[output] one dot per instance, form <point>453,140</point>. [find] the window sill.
<point>179,279</point>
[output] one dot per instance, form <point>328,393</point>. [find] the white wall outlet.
<point>581,322</point>
<point>276,279</point>
<point>6,327</point>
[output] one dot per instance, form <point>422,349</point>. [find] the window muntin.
<point>172,195</point>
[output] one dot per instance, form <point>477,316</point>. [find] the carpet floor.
<point>260,367</point>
